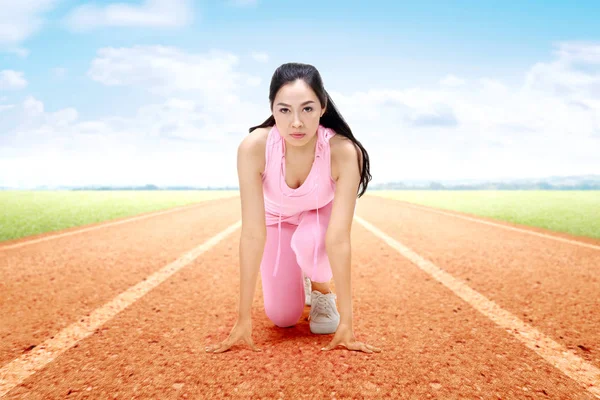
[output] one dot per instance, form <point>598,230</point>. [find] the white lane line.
<point>557,355</point>
<point>511,228</point>
<point>15,372</point>
<point>124,221</point>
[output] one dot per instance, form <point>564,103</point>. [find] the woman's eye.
<point>285,110</point>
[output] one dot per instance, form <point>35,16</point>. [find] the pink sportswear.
<point>284,204</point>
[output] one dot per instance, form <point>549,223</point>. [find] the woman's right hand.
<point>241,330</point>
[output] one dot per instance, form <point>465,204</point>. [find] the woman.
<point>299,174</point>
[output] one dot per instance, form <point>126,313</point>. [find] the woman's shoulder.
<point>261,134</point>
<point>253,145</point>
<point>343,153</point>
<point>256,140</point>
<point>341,146</point>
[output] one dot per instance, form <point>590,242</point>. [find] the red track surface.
<point>434,344</point>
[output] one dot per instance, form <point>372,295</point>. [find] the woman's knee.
<point>284,318</point>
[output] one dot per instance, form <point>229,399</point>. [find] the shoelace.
<point>322,305</point>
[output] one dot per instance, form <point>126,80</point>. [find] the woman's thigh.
<point>283,294</point>
<point>309,234</point>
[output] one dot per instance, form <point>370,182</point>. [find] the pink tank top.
<point>284,204</point>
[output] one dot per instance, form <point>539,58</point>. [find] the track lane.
<point>48,285</point>
<point>551,285</point>
<point>434,344</point>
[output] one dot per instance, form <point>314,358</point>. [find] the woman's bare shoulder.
<point>255,140</point>
<point>342,150</point>
<point>261,134</point>
<point>341,147</point>
<point>253,147</point>
<point>337,141</point>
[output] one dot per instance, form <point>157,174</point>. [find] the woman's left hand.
<point>345,337</point>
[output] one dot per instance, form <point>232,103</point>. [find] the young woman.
<point>299,175</point>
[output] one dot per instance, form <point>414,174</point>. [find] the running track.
<point>461,308</point>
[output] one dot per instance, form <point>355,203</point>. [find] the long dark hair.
<point>332,119</point>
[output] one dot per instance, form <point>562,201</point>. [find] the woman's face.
<point>297,109</point>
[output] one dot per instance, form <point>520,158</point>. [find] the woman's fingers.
<point>360,346</point>
<point>363,347</point>
<point>226,345</point>
<point>375,349</point>
<point>252,345</point>
<point>357,346</point>
<point>219,348</point>
<point>334,342</point>
<point>211,347</point>
<point>223,347</point>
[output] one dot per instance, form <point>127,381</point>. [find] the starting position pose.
<point>299,174</point>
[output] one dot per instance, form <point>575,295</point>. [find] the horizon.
<point>414,182</point>
<point>161,91</point>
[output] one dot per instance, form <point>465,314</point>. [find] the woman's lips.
<point>297,135</point>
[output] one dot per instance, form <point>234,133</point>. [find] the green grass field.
<point>25,213</point>
<point>574,212</point>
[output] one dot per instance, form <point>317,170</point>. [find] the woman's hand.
<point>241,330</point>
<point>345,337</point>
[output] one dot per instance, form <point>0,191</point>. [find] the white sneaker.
<point>307,290</point>
<point>324,317</point>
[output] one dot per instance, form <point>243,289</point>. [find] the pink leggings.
<point>284,293</point>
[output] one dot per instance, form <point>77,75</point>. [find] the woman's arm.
<point>337,242</point>
<point>250,165</point>
<point>337,238</point>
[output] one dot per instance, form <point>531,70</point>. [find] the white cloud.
<point>198,124</point>
<point>63,117</point>
<point>176,141</point>
<point>4,107</point>
<point>260,56</point>
<point>452,81</point>
<point>32,106</point>
<point>253,81</point>
<point>573,76</point>
<point>485,128</point>
<point>19,51</point>
<point>21,19</point>
<point>163,68</point>
<point>151,13</point>
<point>213,76</point>
<point>10,79</point>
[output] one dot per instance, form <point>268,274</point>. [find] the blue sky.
<point>137,92</point>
